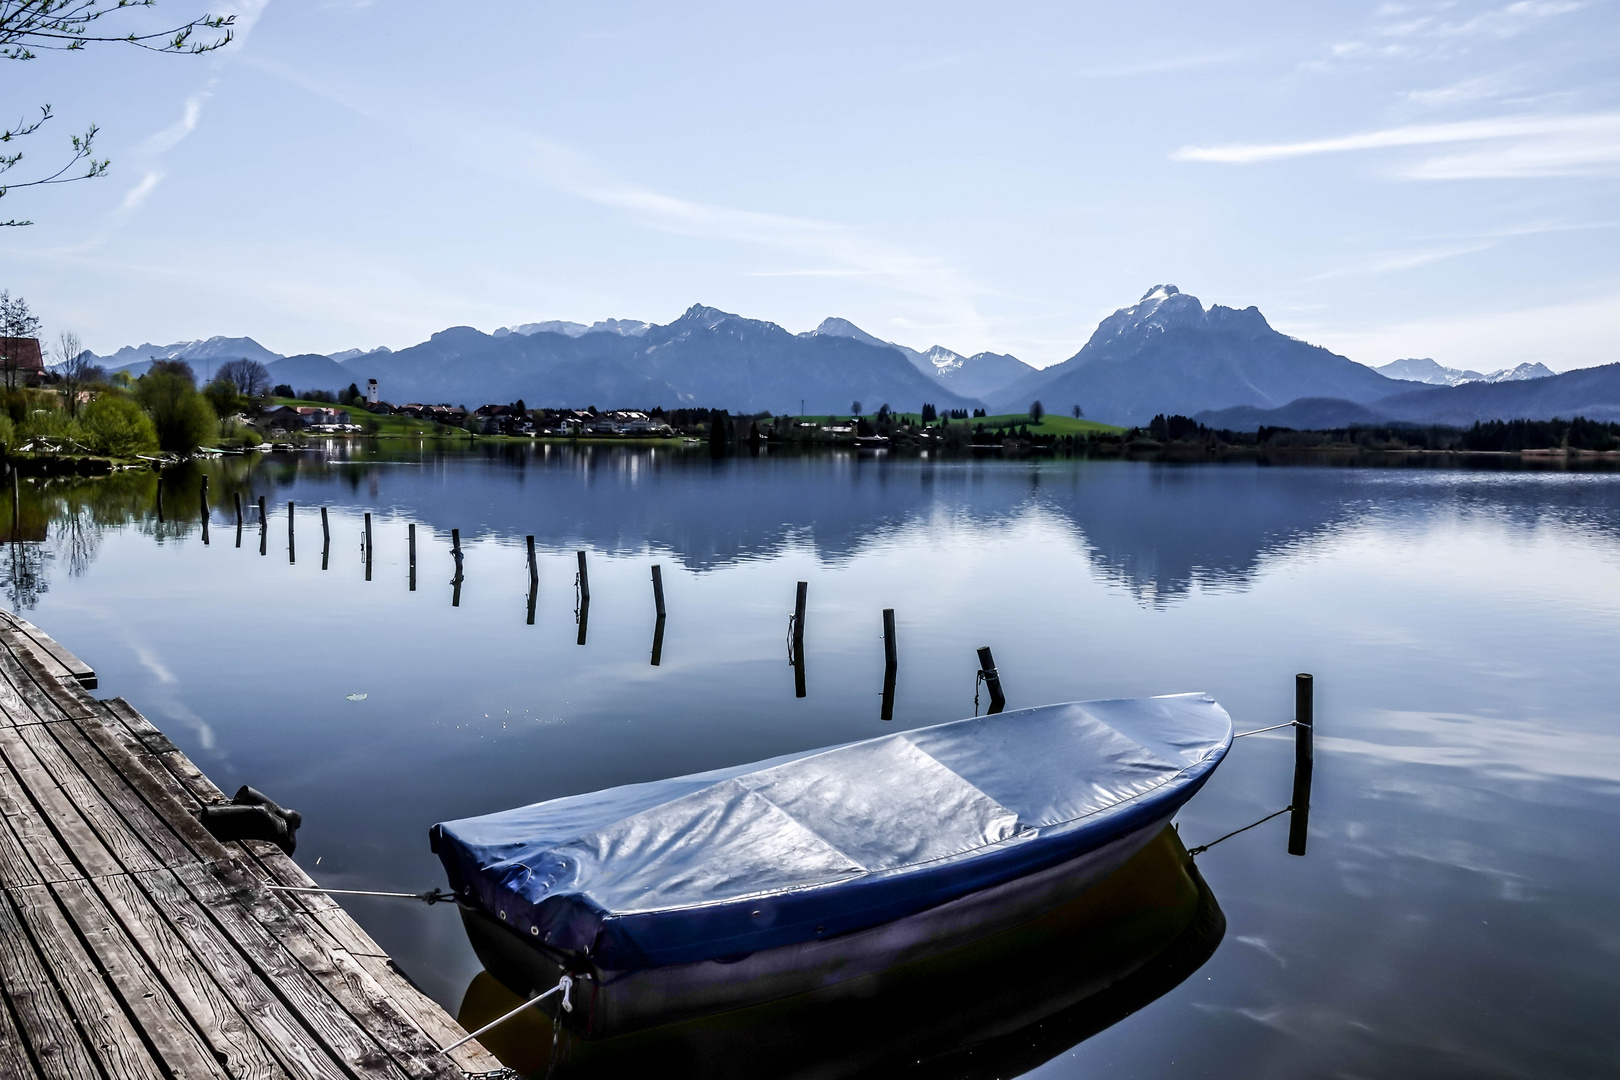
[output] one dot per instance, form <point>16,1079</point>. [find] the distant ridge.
<point>978,375</point>
<point>1428,371</point>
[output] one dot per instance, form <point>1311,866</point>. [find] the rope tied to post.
<point>431,897</point>
<point>565,984</point>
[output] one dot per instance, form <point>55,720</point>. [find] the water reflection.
<point>1160,533</point>
<point>998,1008</point>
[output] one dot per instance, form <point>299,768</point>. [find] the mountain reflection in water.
<point>997,1008</point>
<point>1157,531</point>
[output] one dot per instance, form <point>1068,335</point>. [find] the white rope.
<point>1273,727</point>
<point>566,985</point>
<point>433,897</point>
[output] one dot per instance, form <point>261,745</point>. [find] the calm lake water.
<point>1458,913</point>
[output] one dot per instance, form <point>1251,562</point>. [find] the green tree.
<point>1036,411</point>
<point>224,397</point>
<point>116,426</point>
<point>17,322</point>
<point>182,416</point>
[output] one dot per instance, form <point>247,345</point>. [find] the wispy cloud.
<point>137,194</point>
<point>1522,146</point>
<point>1391,262</point>
<point>831,249</point>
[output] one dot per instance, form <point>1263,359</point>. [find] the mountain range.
<point>1428,371</point>
<point>1166,353</point>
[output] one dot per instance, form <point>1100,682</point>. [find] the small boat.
<point>711,892</point>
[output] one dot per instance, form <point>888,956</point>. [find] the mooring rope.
<point>1273,727</point>
<point>434,896</point>
<point>566,985</point>
<point>1201,848</point>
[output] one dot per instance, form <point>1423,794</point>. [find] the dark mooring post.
<point>992,681</point>
<point>658,641</point>
<point>410,535</point>
<point>264,528</point>
<point>584,581</point>
<point>160,499</point>
<point>534,568</point>
<point>1304,753</point>
<point>796,655</point>
<point>326,539</point>
<point>890,663</point>
<point>658,589</point>
<point>202,500</point>
<point>238,496</point>
<point>455,553</point>
<point>368,547</point>
<point>292,551</point>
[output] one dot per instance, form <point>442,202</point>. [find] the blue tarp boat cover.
<point>725,863</point>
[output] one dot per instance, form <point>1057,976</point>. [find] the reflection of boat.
<point>711,892</point>
<point>995,1008</point>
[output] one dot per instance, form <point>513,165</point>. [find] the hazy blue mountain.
<point>310,371</point>
<point>1306,414</point>
<point>973,376</point>
<point>1590,392</point>
<point>1166,354</point>
<point>202,355</point>
<point>707,358</point>
<point>1428,371</point>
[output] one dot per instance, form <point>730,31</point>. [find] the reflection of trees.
<point>22,574</point>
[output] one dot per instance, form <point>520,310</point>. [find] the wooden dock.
<point>135,945</point>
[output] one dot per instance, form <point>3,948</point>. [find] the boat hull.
<point>609,1003</point>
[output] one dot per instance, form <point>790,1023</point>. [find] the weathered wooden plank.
<point>49,858</point>
<point>108,1032</point>
<point>349,984</point>
<point>146,777</point>
<point>81,672</point>
<point>36,676</point>
<point>181,1048</point>
<point>435,1023</point>
<point>115,785</point>
<point>16,868</point>
<point>109,824</point>
<point>77,838</point>
<point>48,1030</point>
<point>14,1060</point>
<point>13,709</point>
<point>292,1044</point>
<point>244,1053</point>
<point>222,890</point>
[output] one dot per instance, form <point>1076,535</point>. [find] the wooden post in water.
<point>368,546</point>
<point>455,551</point>
<point>584,581</point>
<point>798,618</point>
<point>992,681</point>
<point>658,589</point>
<point>238,497</point>
<point>410,535</point>
<point>202,500</point>
<point>292,551</point>
<point>890,663</point>
<point>534,569</point>
<point>796,641</point>
<point>326,539</point>
<point>264,528</point>
<point>1304,754</point>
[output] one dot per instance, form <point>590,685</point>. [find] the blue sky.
<point>1386,180</point>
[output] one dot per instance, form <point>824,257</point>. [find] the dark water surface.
<point>1458,913</point>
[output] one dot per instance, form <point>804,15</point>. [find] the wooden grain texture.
<point>81,672</point>
<point>162,1019</point>
<point>106,1030</point>
<point>45,1025</point>
<point>217,889</point>
<point>135,944</point>
<point>189,977</point>
<point>297,1050</point>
